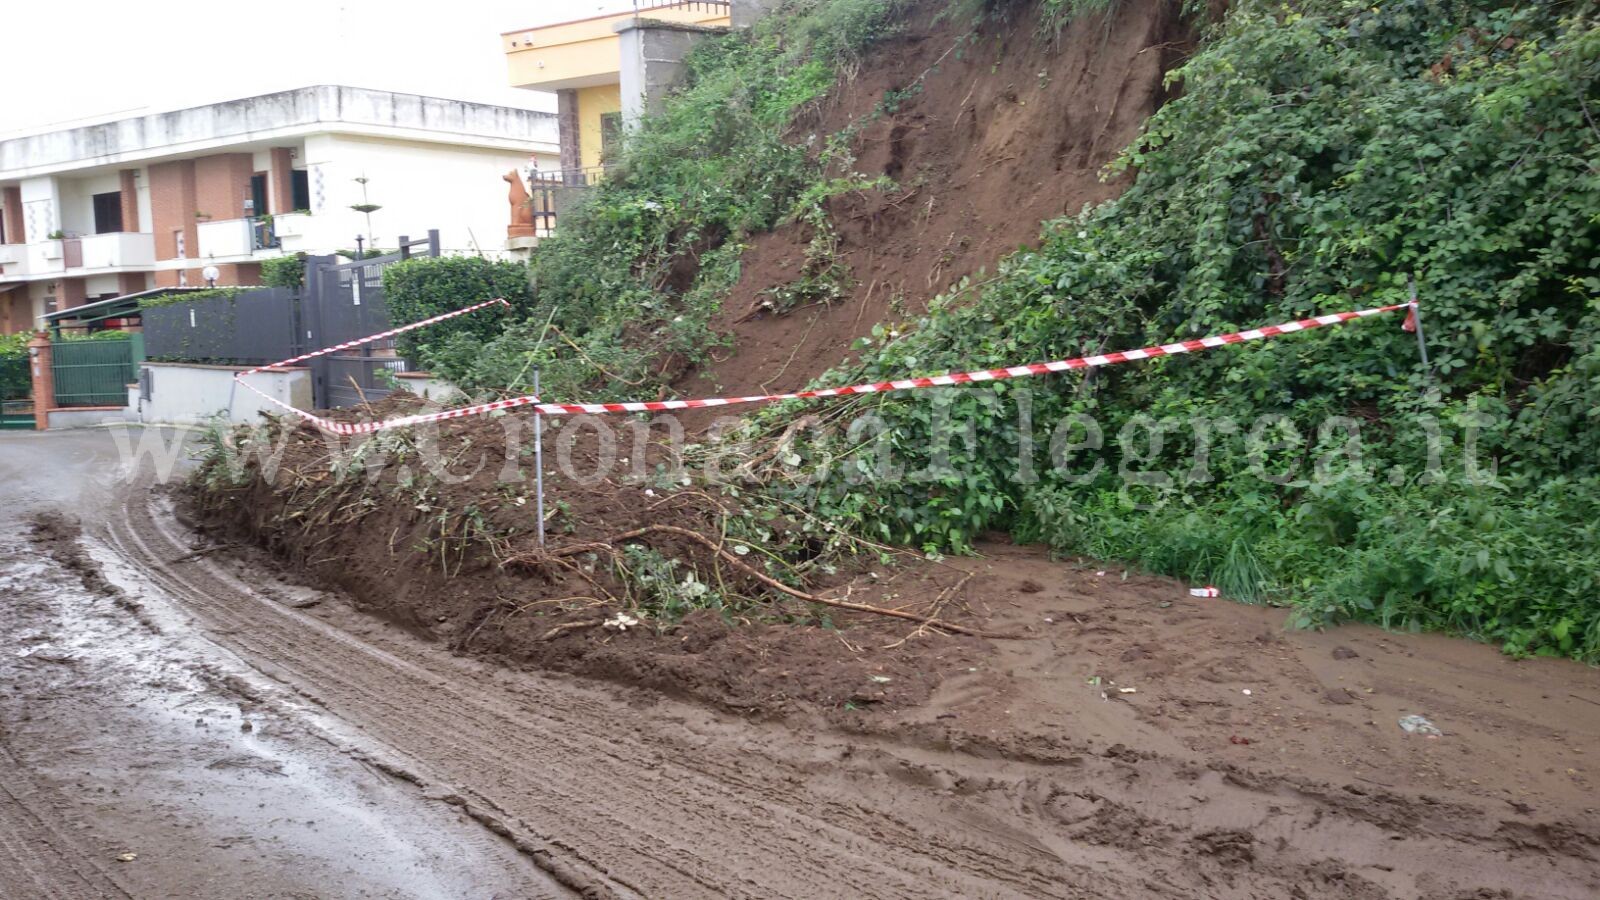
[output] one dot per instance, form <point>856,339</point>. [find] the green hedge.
<point>423,287</point>
<point>284,272</point>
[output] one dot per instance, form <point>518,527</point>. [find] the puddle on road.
<point>160,744</point>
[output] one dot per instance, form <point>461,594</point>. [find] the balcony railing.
<point>114,250</point>
<point>552,192</point>
<point>262,236</point>
<point>585,177</point>
<point>713,6</point>
<point>95,252</point>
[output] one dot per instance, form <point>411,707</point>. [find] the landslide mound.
<point>435,530</point>
<point>992,131</point>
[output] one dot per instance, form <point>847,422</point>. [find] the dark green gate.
<point>96,372</point>
<point>16,391</point>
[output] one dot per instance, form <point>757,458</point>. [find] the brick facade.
<point>222,183</point>
<point>130,282</point>
<point>11,209</point>
<point>280,181</point>
<point>172,208</point>
<point>130,200</point>
<point>16,311</point>
<point>73,293</point>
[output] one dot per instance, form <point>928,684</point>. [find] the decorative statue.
<point>521,208</point>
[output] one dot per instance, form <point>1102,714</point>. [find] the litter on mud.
<point>1418,725</point>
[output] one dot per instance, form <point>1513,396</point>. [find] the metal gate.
<point>16,392</point>
<point>344,302</point>
<point>96,372</point>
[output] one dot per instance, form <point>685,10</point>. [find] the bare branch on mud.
<point>565,627</point>
<point>534,560</point>
<point>933,612</point>
<point>747,470</point>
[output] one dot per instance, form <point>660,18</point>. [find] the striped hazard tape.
<point>981,375</point>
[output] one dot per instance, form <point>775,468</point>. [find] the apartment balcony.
<point>237,238</point>
<point>586,52</point>
<point>77,256</point>
<point>43,258</point>
<point>13,257</point>
<point>114,251</point>
<point>306,233</point>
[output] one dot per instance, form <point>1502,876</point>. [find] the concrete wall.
<point>40,202</point>
<point>190,394</point>
<point>77,200</point>
<point>652,54</point>
<point>61,419</point>
<point>429,387</point>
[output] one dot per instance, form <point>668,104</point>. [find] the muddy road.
<point>139,757</point>
<point>182,719</point>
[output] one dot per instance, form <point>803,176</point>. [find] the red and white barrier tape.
<point>1043,368</point>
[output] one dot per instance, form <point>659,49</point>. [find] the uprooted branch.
<point>610,545</point>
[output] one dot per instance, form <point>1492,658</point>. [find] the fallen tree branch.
<point>944,597</point>
<point>739,564</point>
<point>565,627</point>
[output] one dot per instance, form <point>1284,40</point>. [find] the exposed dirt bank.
<point>994,132</point>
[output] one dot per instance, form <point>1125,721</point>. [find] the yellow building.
<point>586,63</point>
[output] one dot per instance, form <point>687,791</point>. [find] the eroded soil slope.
<point>997,130</point>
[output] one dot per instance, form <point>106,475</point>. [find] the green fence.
<point>96,372</point>
<point>16,385</point>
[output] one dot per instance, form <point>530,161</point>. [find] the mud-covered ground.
<point>140,758</point>
<point>1113,752</point>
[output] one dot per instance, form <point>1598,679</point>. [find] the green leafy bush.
<point>423,287</point>
<point>158,300</point>
<point>16,377</point>
<point>284,272</point>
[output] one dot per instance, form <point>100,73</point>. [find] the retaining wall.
<point>186,393</point>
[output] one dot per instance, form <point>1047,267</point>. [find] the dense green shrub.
<point>155,301</point>
<point>16,379</point>
<point>423,287</point>
<point>284,272</point>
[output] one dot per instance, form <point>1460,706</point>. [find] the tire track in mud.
<point>567,764</point>
<point>41,859</point>
<point>673,800</point>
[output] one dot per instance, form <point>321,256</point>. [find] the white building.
<point>99,211</point>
